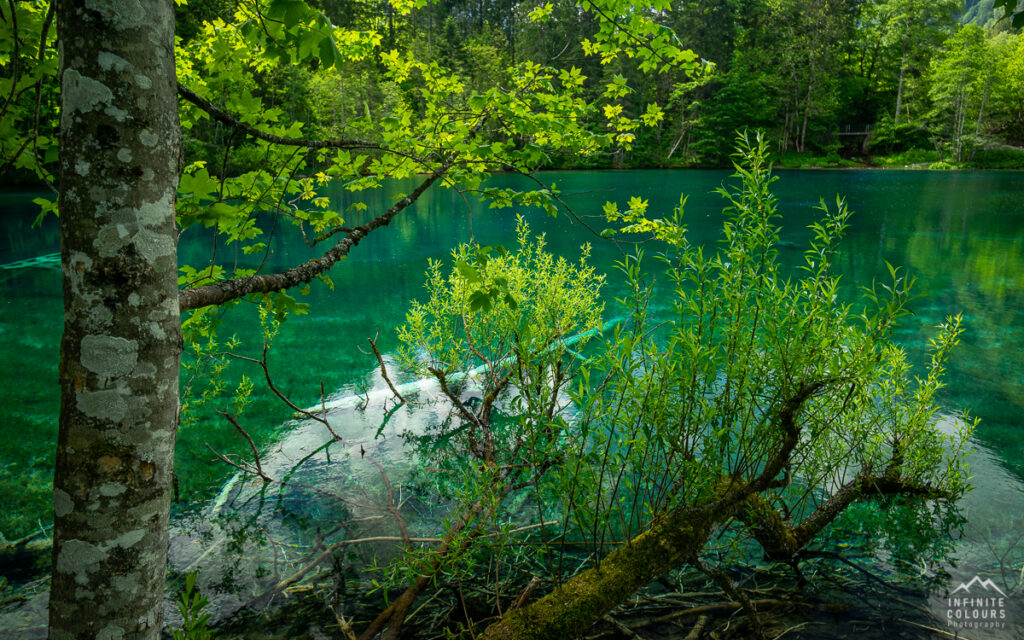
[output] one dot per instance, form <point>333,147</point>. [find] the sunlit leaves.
<point>653,115</point>
<point>702,395</point>
<point>495,304</point>
<point>426,117</point>
<point>28,68</point>
<point>541,13</point>
<point>959,76</point>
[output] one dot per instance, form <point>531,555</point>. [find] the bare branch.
<point>322,419</point>
<point>733,591</point>
<point>252,445</point>
<point>383,369</point>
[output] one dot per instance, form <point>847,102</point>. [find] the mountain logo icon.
<point>976,580</point>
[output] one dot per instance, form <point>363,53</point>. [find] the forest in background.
<point>936,83</point>
<point>932,81</point>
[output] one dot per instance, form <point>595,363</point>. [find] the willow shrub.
<point>759,401</point>
<point>695,396</point>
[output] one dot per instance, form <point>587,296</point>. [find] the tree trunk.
<point>120,160</point>
<point>959,116</point>
<point>802,145</point>
<point>981,114</point>
<point>899,88</point>
<point>572,608</point>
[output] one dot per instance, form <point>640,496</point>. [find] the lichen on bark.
<point>120,158</point>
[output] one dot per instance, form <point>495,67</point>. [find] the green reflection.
<point>960,233</point>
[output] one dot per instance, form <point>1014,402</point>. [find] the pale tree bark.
<point>981,113</point>
<point>120,160</point>
<point>899,88</point>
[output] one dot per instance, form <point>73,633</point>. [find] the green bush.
<point>888,138</point>
<point>998,158</point>
<point>731,401</point>
<point>908,158</point>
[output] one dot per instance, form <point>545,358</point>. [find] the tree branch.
<point>221,292</point>
<point>220,115</point>
<point>384,369</point>
<point>731,489</point>
<point>784,543</point>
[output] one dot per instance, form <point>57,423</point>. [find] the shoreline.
<point>777,165</point>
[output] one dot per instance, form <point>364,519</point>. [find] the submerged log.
<point>573,607</point>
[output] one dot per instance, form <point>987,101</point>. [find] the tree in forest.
<point>28,122</point>
<point>960,82</point>
<point>1008,91</point>
<point>906,30</point>
<point>790,54</point>
<point>808,64</point>
<point>756,407</point>
<point>120,195</point>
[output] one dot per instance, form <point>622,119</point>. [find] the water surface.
<point>961,234</point>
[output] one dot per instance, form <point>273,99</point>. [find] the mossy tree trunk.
<point>679,537</point>
<point>120,161</point>
<point>572,608</point>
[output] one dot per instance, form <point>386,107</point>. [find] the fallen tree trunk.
<point>572,608</point>
<point>677,539</point>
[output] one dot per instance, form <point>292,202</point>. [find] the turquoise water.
<point>960,233</point>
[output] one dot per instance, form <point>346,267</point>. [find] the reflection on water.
<point>961,234</point>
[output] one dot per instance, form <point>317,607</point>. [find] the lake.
<point>961,234</point>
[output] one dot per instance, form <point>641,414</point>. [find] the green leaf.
<point>291,12</point>
<point>477,102</point>
<point>468,272</point>
<point>330,56</point>
<point>480,301</point>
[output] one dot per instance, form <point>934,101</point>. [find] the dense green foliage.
<point>756,389</point>
<point>808,73</point>
<point>937,77</point>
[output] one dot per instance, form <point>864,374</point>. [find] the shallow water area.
<point>960,233</point>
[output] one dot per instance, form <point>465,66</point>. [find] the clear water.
<point>960,233</point>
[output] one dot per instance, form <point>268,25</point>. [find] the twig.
<point>252,445</point>
<point>623,629</point>
<point>710,608</point>
<point>736,593</point>
<point>383,369</point>
<point>392,507</point>
<point>262,362</point>
<point>793,628</point>
<point>932,629</point>
<point>698,629</point>
<point>527,593</point>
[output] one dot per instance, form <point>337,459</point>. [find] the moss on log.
<point>573,607</point>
